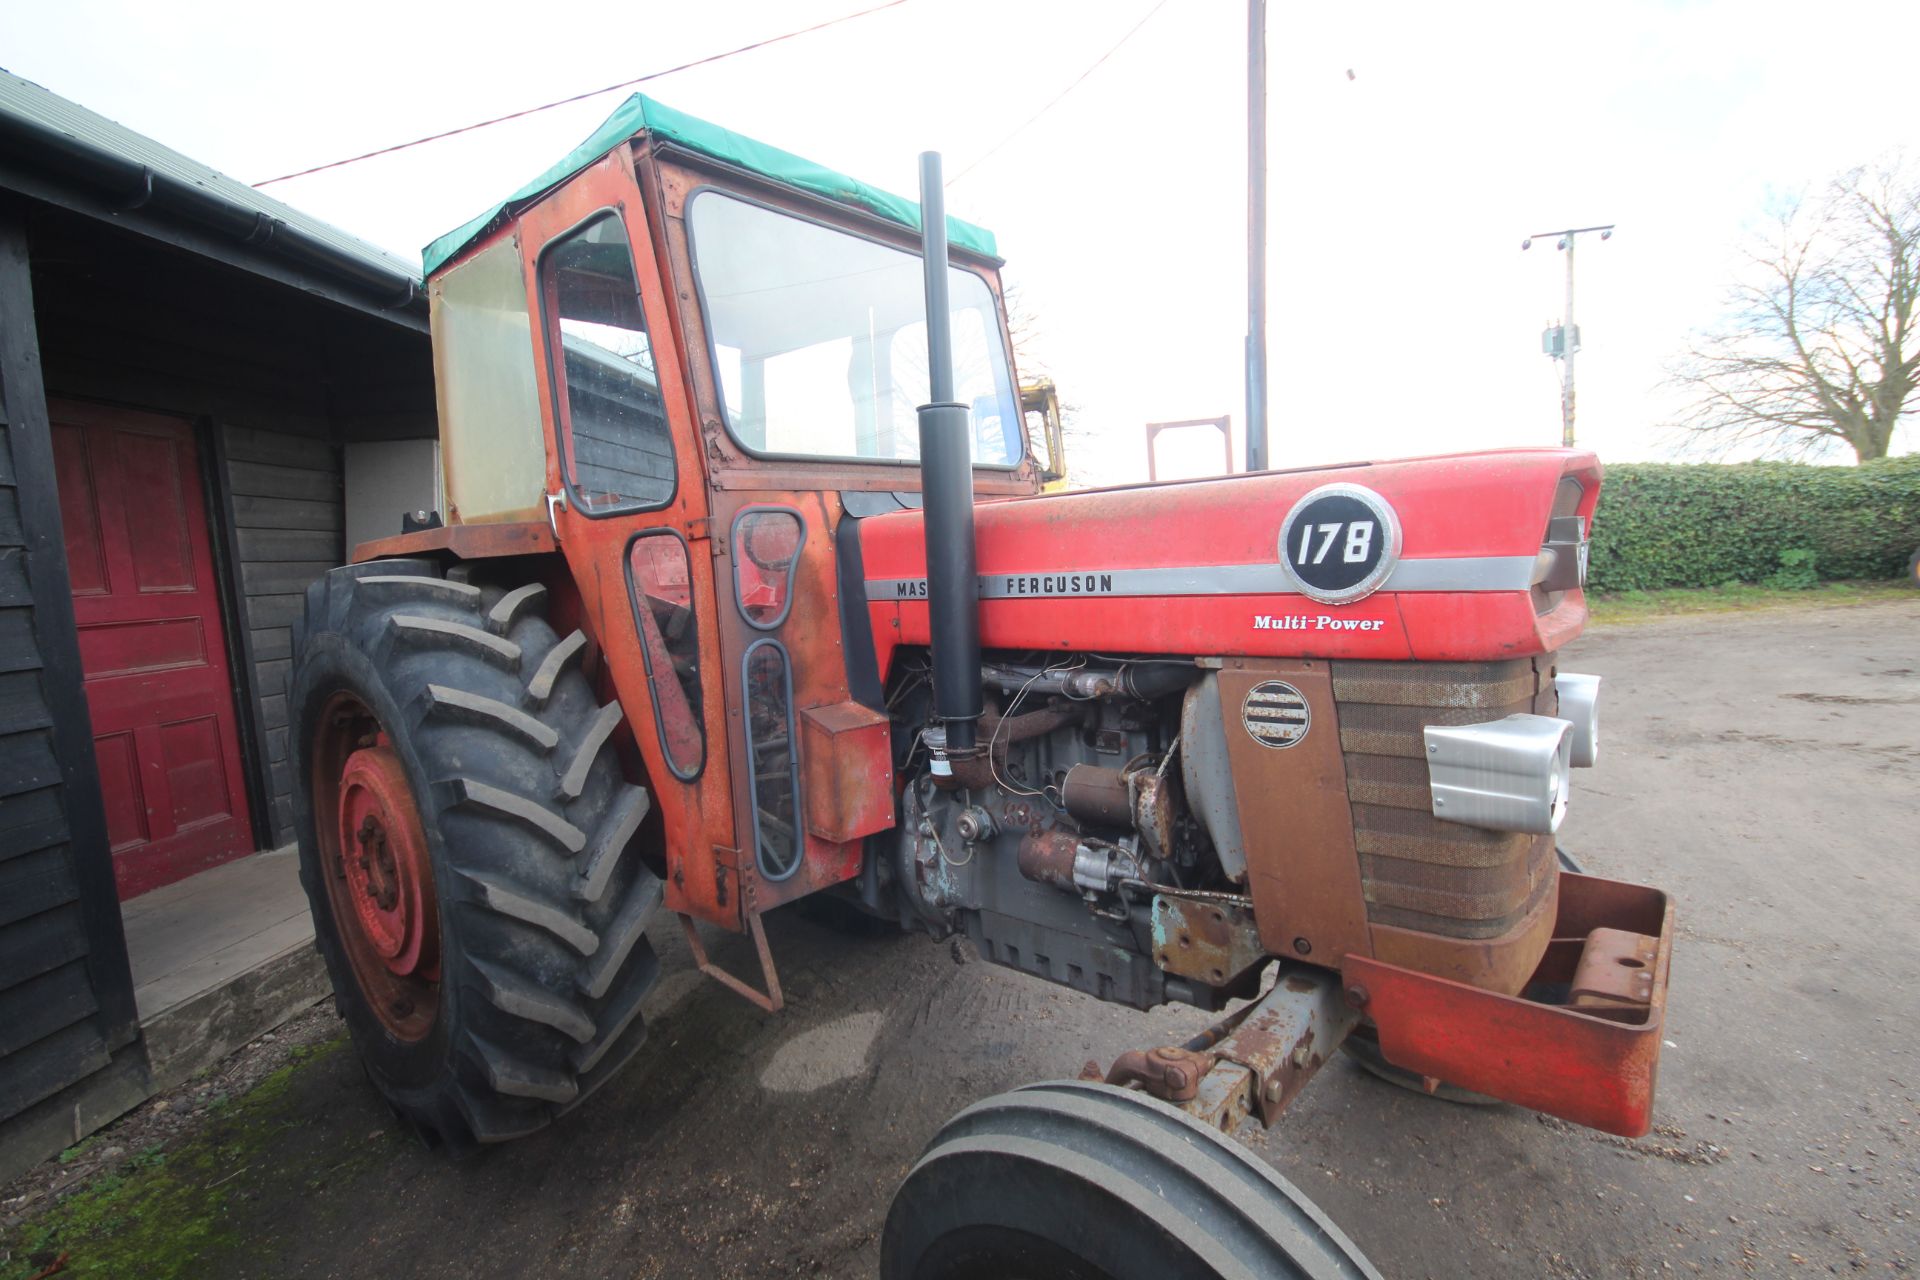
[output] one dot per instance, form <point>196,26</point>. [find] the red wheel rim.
<point>379,870</point>
<point>384,856</point>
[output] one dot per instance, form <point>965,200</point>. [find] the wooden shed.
<point>188,371</point>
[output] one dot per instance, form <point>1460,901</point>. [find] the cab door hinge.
<point>699,529</point>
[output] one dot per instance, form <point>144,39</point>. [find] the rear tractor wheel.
<point>467,848</point>
<point>1079,1181</point>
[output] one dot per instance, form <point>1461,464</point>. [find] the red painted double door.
<point>152,647</point>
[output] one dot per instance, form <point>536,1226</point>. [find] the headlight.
<point>1505,775</point>
<point>1580,704</point>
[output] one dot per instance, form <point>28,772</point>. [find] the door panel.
<point>779,561</point>
<point>152,648</point>
<point>635,443</point>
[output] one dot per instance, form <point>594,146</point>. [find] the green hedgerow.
<point>1790,524</point>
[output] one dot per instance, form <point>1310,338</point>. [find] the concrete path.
<point>219,958</point>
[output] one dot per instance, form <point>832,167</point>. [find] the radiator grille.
<point>1417,871</point>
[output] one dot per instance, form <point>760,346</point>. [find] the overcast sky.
<point>1404,316</point>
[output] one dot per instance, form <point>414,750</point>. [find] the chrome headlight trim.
<point>1503,775</point>
<point>1580,704</point>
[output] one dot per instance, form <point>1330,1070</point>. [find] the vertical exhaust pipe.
<point>946,478</point>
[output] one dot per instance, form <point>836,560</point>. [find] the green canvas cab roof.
<point>641,114</point>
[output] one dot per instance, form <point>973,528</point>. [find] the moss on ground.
<point>166,1213</point>
<point>1737,597</point>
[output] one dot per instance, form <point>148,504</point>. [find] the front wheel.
<point>1081,1181</point>
<point>467,847</point>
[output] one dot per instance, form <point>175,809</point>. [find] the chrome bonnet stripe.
<point>1456,573</point>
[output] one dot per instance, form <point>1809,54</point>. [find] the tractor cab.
<point>678,359</point>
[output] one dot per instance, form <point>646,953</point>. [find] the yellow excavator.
<point>1040,406</point>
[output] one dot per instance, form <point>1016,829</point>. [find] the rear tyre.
<point>1089,1182</point>
<point>467,848</point>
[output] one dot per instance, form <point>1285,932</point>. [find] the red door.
<point>151,645</point>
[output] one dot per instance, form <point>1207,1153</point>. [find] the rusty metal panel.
<point>1210,940</point>
<point>1501,963</point>
<point>478,541</point>
<point>1592,1070</point>
<point>846,754</point>
<point>1290,1035</point>
<point>1291,782</point>
<point>1615,973</point>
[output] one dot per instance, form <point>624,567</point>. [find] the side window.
<point>773,767</point>
<point>488,389</point>
<point>615,445</point>
<point>659,579</point>
<point>766,550</point>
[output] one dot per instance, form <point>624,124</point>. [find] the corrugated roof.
<point>48,131</point>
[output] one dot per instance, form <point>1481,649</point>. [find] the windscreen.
<point>820,339</point>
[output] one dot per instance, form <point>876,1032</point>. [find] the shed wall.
<point>66,996</point>
<point>277,382</point>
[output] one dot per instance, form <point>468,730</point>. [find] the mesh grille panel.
<point>1417,871</point>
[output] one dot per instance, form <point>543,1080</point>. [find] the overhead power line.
<point>592,93</point>
<point>1055,100</point>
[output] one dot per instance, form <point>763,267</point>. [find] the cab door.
<point>627,500</point>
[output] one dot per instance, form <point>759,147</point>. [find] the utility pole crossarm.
<point>1561,341</point>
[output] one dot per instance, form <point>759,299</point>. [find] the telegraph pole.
<point>1256,235</point>
<point>1561,341</point>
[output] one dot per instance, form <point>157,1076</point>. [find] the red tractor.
<point>746,592</point>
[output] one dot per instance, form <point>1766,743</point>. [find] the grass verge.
<point>167,1211</point>
<point>1738,597</point>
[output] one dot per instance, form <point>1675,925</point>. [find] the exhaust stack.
<point>946,478</point>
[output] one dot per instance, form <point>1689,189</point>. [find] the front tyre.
<point>467,848</point>
<point>1079,1181</point>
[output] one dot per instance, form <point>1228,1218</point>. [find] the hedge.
<point>1706,524</point>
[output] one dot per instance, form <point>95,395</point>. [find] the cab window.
<point>616,448</point>
<point>820,339</point>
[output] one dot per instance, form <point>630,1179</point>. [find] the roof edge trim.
<point>641,114</point>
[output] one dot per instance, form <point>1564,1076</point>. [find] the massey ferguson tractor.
<point>746,592</point>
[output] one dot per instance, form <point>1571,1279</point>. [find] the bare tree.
<point>1819,343</point>
<point>1029,334</point>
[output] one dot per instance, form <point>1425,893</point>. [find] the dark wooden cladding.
<point>289,536</point>
<point>36,1008</point>
<point>66,995</point>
